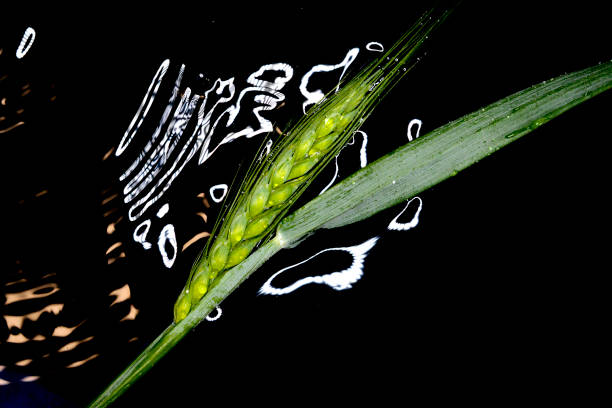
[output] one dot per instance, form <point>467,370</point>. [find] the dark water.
<point>484,294</point>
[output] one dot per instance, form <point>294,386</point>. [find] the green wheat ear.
<point>274,184</point>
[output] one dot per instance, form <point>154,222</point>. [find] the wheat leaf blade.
<point>445,151</point>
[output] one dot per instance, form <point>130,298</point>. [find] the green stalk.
<point>176,331</point>
<point>398,176</point>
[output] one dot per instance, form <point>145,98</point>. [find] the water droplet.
<point>514,134</point>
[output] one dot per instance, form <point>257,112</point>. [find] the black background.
<point>492,297</point>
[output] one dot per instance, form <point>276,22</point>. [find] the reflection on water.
<point>221,196</point>
<point>312,97</point>
<point>17,95</point>
<point>340,280</point>
<point>81,295</point>
<point>47,330</point>
<point>174,123</point>
<point>26,43</point>
<point>346,278</point>
<point>35,311</point>
<point>66,316</point>
<point>38,309</point>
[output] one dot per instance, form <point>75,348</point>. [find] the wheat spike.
<point>278,180</point>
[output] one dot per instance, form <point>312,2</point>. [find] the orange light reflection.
<point>122,294</point>
<point>31,293</point>
<point>72,345</point>
<point>195,238</point>
<point>132,314</point>
<point>81,362</point>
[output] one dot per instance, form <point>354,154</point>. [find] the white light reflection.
<point>163,210</point>
<point>267,149</point>
<point>162,122</point>
<point>140,234</point>
<point>216,316</point>
<point>397,226</point>
<point>154,171</point>
<point>312,97</point>
<point>375,46</point>
<point>268,96</point>
<point>337,280</point>
<point>333,178</point>
<point>363,158</point>
<point>218,199</point>
<point>168,237</point>
<point>140,115</point>
<point>26,42</point>
<point>155,163</point>
<point>413,122</point>
<point>180,161</point>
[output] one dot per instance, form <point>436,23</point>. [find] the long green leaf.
<point>442,153</point>
<point>400,175</point>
